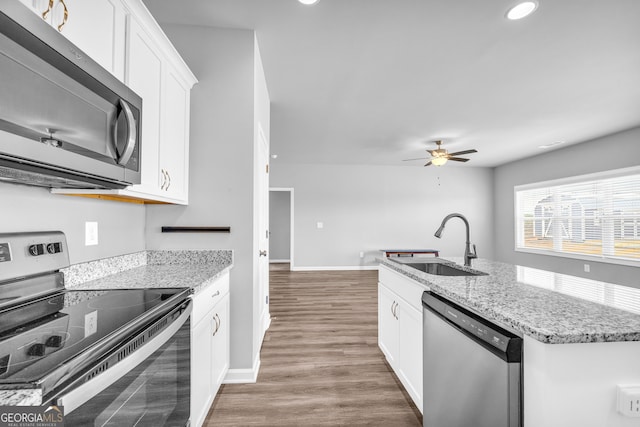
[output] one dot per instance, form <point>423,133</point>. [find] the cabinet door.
<point>97,27</point>
<point>387,324</point>
<point>201,384</point>
<point>174,138</point>
<point>410,351</point>
<point>144,76</point>
<point>220,344</point>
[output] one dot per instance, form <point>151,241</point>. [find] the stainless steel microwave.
<point>65,122</point>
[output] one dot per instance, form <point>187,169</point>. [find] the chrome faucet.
<point>468,253</point>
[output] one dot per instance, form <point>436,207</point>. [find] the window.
<point>594,216</point>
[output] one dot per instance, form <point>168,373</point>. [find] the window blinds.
<point>593,217</point>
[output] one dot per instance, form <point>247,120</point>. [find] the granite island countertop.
<point>193,269</point>
<point>549,307</point>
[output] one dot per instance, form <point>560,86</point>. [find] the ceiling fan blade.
<point>457,153</point>
<point>458,159</point>
<point>419,158</point>
<point>432,152</point>
<point>428,163</point>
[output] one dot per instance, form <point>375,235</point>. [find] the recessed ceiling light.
<point>308,2</point>
<point>521,10</point>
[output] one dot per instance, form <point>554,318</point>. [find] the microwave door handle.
<point>123,159</point>
<point>80,395</point>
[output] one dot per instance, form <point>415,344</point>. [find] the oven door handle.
<point>88,390</point>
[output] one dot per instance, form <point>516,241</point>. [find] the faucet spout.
<point>469,253</point>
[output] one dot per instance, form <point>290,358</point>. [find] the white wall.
<point>367,208</point>
<point>615,151</point>
<point>120,225</point>
<point>221,170</point>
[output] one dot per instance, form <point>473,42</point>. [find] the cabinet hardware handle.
<point>46,12</point>
<point>394,310</point>
<point>263,253</point>
<point>216,319</point>
<point>163,186</point>
<point>216,294</point>
<point>169,178</point>
<point>65,16</point>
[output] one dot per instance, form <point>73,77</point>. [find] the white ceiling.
<point>372,81</point>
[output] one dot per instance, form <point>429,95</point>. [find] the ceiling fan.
<point>440,156</point>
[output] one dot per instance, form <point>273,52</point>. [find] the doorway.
<point>281,230</point>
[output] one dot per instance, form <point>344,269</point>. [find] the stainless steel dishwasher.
<point>472,374</point>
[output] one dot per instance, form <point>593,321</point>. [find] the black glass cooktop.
<point>37,337</point>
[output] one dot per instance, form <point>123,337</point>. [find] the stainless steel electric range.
<point>108,357</point>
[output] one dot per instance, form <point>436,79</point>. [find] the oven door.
<point>145,382</point>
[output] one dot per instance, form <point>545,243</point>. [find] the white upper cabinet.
<point>165,118</point>
<point>97,27</point>
<point>174,153</point>
<point>144,76</point>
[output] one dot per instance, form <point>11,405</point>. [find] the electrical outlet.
<point>90,233</point>
<point>629,400</point>
<point>587,268</point>
<point>361,254</point>
<point>90,323</point>
<point>319,225</point>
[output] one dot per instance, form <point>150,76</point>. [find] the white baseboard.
<point>336,268</point>
<point>243,376</point>
<point>279,261</point>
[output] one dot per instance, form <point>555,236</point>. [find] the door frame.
<point>291,221</point>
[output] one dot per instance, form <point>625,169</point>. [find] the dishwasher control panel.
<point>482,329</point>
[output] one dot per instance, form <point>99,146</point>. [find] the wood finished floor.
<point>321,365</point>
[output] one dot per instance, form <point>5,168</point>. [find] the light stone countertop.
<point>193,269</point>
<point>549,307</point>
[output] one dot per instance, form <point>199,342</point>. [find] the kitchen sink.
<point>440,269</point>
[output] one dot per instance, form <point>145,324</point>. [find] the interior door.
<point>263,230</point>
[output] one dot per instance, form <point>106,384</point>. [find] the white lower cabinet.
<point>400,329</point>
<point>209,346</point>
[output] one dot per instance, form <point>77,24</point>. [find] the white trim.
<point>243,376</point>
<point>279,261</point>
<point>266,322</point>
<point>336,268</point>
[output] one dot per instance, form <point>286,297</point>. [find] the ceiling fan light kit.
<point>440,156</point>
<point>438,161</point>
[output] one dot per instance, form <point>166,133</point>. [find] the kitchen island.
<point>581,337</point>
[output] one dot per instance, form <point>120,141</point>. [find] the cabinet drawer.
<point>408,289</point>
<point>209,296</point>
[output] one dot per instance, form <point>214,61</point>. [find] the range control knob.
<point>54,248</point>
<point>36,350</point>
<point>36,250</point>
<point>54,341</point>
